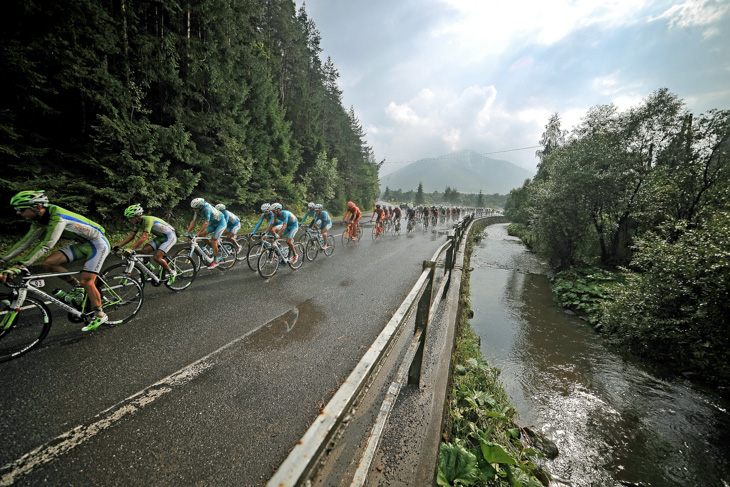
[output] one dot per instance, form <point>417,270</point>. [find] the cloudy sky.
<point>429,77</point>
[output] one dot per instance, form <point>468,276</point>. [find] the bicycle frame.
<point>21,291</point>
<point>137,260</point>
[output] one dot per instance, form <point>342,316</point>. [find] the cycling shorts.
<point>234,227</point>
<point>290,231</point>
<point>217,230</point>
<point>95,252</point>
<point>164,243</point>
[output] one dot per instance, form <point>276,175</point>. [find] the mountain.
<point>466,171</point>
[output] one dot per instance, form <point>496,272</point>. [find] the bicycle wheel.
<point>299,248</point>
<point>268,263</point>
<point>330,246</point>
<point>195,257</point>
<point>21,332</point>
<point>346,238</point>
<point>375,232</point>
<point>121,270</point>
<point>243,242</point>
<point>185,272</point>
<point>312,249</point>
<point>227,254</point>
<point>121,297</point>
<point>303,238</point>
<point>253,254</point>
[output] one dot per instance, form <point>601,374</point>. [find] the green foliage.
<point>584,290</point>
<point>522,232</point>
<point>456,466</point>
<point>677,302</point>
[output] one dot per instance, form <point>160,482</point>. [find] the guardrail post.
<point>422,320</point>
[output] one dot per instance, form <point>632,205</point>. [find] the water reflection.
<point>614,422</point>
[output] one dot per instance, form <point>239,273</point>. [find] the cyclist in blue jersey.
<point>322,221</point>
<point>285,225</point>
<point>266,215</point>
<point>232,227</point>
<point>214,223</point>
<point>49,223</point>
<point>310,212</point>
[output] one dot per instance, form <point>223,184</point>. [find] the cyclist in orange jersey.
<point>379,215</point>
<point>352,216</point>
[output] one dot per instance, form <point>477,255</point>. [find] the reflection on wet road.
<point>615,422</point>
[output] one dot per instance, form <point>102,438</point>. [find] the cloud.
<point>697,13</point>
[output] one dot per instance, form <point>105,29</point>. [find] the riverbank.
<point>482,441</point>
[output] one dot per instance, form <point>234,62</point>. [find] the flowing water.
<point>615,422</point>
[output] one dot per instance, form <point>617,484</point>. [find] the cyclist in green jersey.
<point>163,236</point>
<point>48,224</point>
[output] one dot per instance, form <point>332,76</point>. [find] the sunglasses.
<point>21,209</point>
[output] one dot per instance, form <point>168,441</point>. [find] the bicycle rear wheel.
<point>120,270</point>
<point>299,248</point>
<point>227,254</point>
<point>185,272</point>
<point>253,254</point>
<point>312,250</point>
<point>243,242</point>
<point>268,263</point>
<point>121,297</point>
<point>194,256</point>
<point>21,332</point>
<point>330,246</point>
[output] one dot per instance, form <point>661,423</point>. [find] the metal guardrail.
<point>302,462</point>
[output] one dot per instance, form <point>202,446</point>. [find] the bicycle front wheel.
<point>312,250</point>
<point>227,255</point>
<point>121,298</point>
<point>268,263</point>
<point>330,247</point>
<point>22,331</point>
<point>185,272</point>
<point>253,254</point>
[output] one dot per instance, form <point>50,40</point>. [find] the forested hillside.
<point>108,103</point>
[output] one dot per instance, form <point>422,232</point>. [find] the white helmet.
<point>220,207</point>
<point>276,206</point>
<point>265,207</point>
<point>310,205</point>
<point>197,202</point>
<point>318,207</point>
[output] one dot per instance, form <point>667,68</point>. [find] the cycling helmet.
<point>265,207</point>
<point>28,199</point>
<point>220,207</point>
<point>377,206</point>
<point>197,203</point>
<point>133,210</point>
<point>350,204</point>
<point>276,206</point>
<point>310,205</point>
<point>318,207</point>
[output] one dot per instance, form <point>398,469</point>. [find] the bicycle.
<point>27,320</point>
<point>350,235</point>
<point>204,255</point>
<point>410,225</point>
<point>315,243</point>
<point>254,251</point>
<point>274,253</point>
<point>182,266</point>
<point>396,227</point>
<point>378,230</point>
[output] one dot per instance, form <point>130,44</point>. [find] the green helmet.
<point>28,199</point>
<point>133,210</point>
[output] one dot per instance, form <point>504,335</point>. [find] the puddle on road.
<point>298,324</point>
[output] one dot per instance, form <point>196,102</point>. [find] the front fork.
<point>13,308</point>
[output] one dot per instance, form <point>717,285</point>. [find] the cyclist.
<point>310,212</point>
<point>397,215</point>
<point>163,236</point>
<point>48,224</point>
<point>379,215</point>
<point>411,215</point>
<point>352,216</point>
<point>322,221</point>
<point>265,215</point>
<point>214,223</point>
<point>233,225</point>
<point>286,225</point>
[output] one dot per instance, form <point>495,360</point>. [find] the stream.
<point>615,421</point>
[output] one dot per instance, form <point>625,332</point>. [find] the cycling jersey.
<point>355,213</point>
<point>55,223</point>
<point>323,219</point>
<point>397,213</point>
<point>292,224</point>
<point>307,215</point>
<point>216,220</point>
<point>379,213</point>
<point>268,216</point>
<point>233,224</point>
<point>163,235</point>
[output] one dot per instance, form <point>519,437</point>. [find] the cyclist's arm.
<point>56,226</point>
<point>202,232</point>
<point>140,241</point>
<point>33,234</point>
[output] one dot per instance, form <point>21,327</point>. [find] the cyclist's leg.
<point>55,262</point>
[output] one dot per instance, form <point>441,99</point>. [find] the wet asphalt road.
<point>211,386</point>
